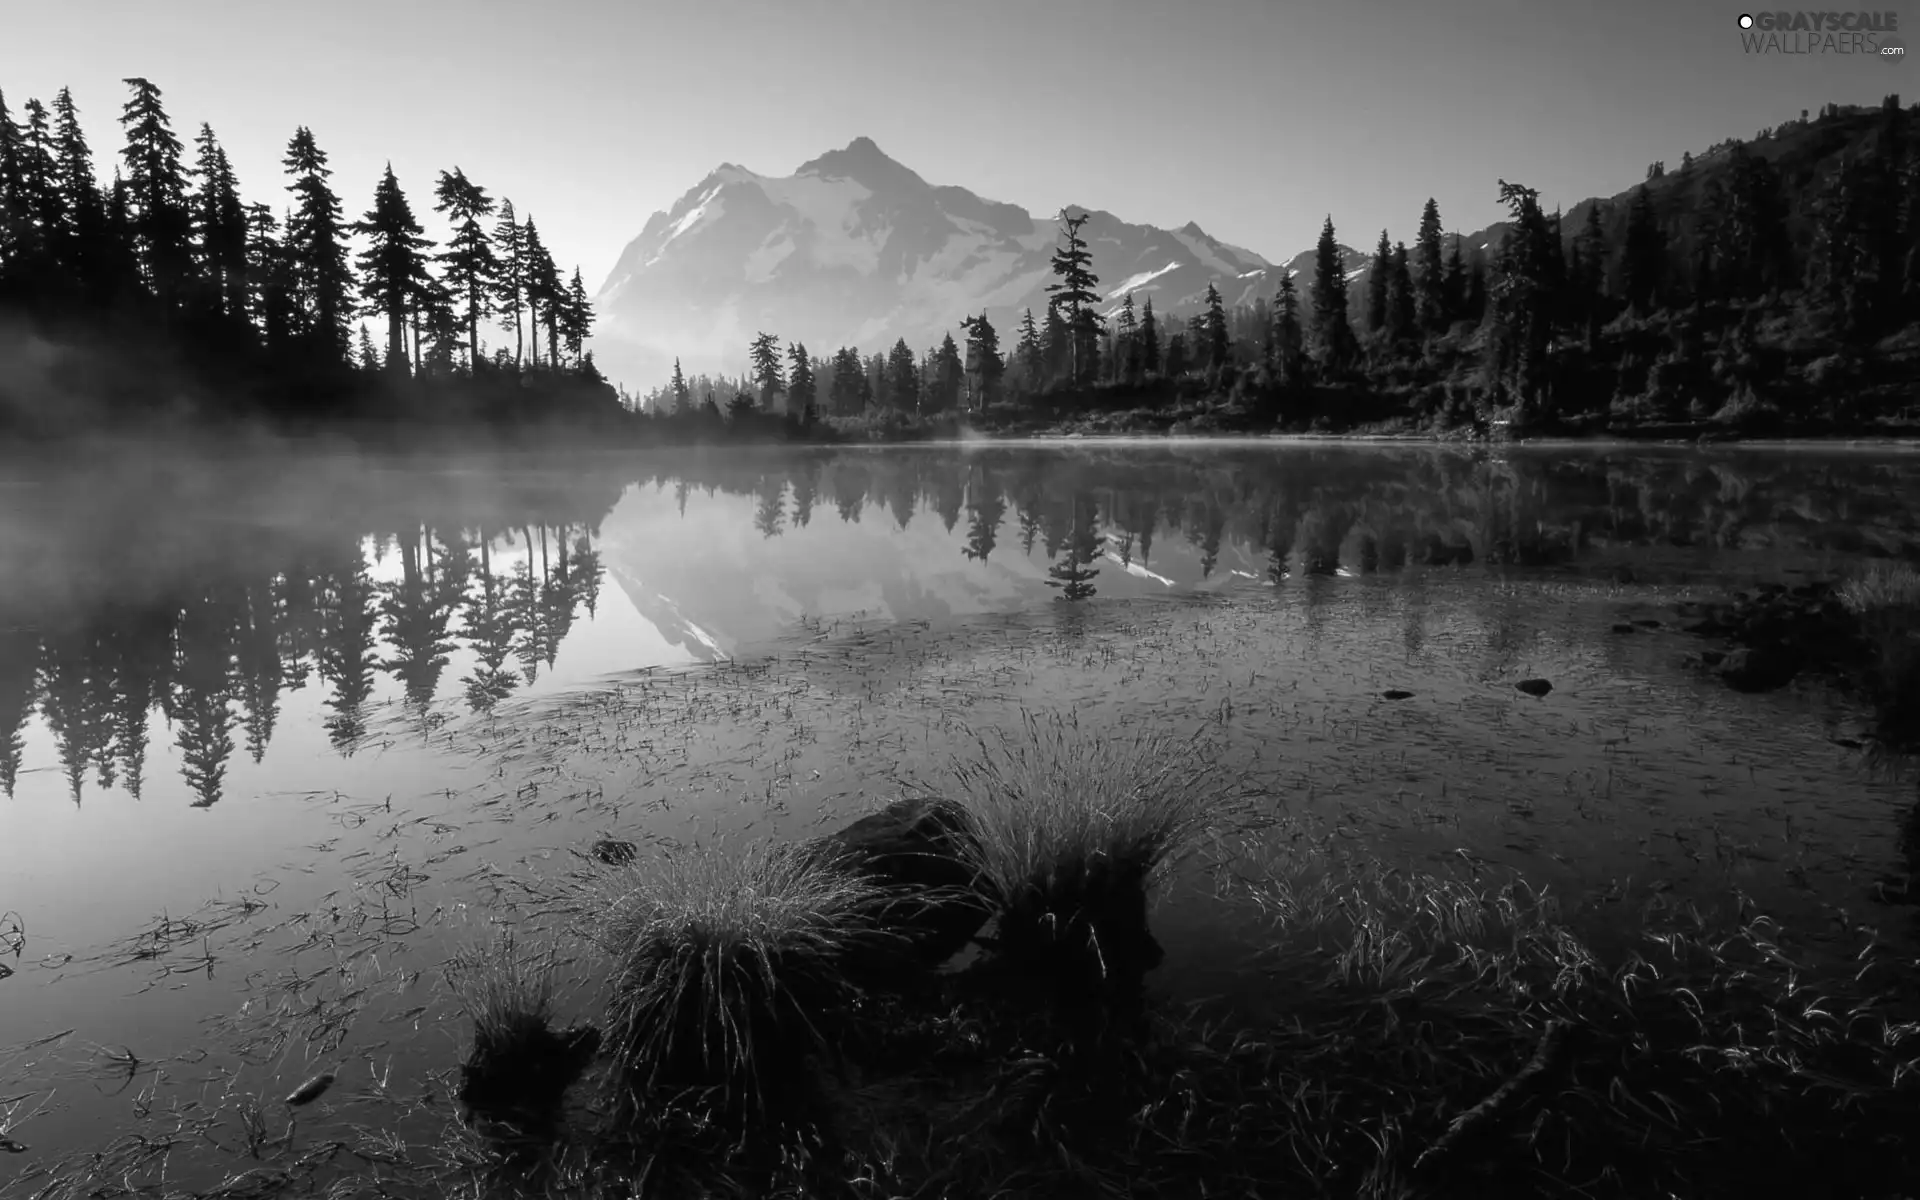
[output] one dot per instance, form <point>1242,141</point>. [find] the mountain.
<point>856,249</point>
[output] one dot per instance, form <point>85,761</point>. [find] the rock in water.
<point>921,848</point>
<point>1759,668</point>
<point>1534,687</point>
<point>615,853</point>
<point>311,1090</point>
<point>1397,694</point>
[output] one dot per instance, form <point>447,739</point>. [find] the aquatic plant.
<point>1885,600</point>
<point>726,966</point>
<point>520,1067</point>
<point>1070,833</point>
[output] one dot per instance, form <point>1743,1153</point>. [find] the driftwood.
<point>1490,1114</point>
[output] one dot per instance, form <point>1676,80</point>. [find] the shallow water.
<point>286,731</point>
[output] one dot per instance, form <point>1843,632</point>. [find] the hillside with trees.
<point>163,292</point>
<point>1769,286</point>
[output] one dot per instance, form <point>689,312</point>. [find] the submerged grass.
<point>724,966</point>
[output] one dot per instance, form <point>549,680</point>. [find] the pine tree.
<point>1127,342</point>
<point>510,276</point>
<point>1429,277</point>
<point>1149,340</point>
<point>471,269</point>
<point>270,277</point>
<point>79,255</point>
<point>983,361</point>
<point>1589,282</point>
<point>578,323</point>
<point>220,229</point>
<point>1032,356</point>
<point>767,372</point>
<point>317,247</point>
<point>1522,292</point>
<point>1333,339</point>
<point>1288,339</point>
<point>1402,310</point>
<point>393,270</point>
<point>38,198</point>
<point>948,375</point>
<point>157,193</point>
<point>1073,264</point>
<point>440,327</point>
<point>1216,345</point>
<point>1378,277</point>
<point>1177,356</point>
<point>800,386</point>
<point>13,208</point>
<point>682,395</point>
<point>1643,255</point>
<point>545,295</point>
<point>367,358</point>
<point>903,378</point>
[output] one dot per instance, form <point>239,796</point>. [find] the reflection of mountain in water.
<point>209,606</point>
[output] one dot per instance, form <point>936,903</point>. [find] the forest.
<point>1767,286</point>
<point>164,292</point>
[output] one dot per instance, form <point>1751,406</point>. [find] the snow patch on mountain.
<point>778,247</point>
<point>1134,283</point>
<point>1203,252</point>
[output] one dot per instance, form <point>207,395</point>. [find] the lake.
<point>277,733</point>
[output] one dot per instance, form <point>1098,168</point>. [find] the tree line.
<point>1713,287</point>
<point>170,245</point>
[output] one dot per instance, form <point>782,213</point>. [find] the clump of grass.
<point>726,966</point>
<point>520,1067</point>
<point>1885,600</point>
<point>1070,834</point>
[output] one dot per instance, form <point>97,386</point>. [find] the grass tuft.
<point>1885,600</point>
<point>1072,831</point>
<point>725,964</point>
<point>520,1067</point>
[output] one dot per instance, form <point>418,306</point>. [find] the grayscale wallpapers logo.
<point>1868,34</point>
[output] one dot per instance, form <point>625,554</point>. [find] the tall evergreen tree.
<point>38,196</point>
<point>510,276</point>
<point>1149,340</point>
<point>14,216</point>
<point>1073,264</point>
<point>1333,340</point>
<point>1429,272</point>
<point>1453,291</point>
<point>270,277</point>
<point>682,395</point>
<point>472,270</point>
<point>1126,340</point>
<point>767,371</point>
<point>1402,308</point>
<point>800,384</point>
<point>1056,345</point>
<point>1589,282</point>
<point>220,229</point>
<point>545,293</point>
<point>902,378</point>
<point>1378,277</point>
<point>983,361</point>
<point>1217,346</point>
<point>1032,356</point>
<point>1522,292</point>
<point>1289,342</point>
<point>393,270</point>
<point>317,248</point>
<point>579,317</point>
<point>157,193</point>
<point>948,375</point>
<point>80,254</point>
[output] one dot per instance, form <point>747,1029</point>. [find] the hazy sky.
<point>1253,117</point>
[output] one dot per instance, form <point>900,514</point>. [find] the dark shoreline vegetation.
<point>1764,289</point>
<point>1414,1033</point>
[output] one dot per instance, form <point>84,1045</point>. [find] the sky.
<point>1255,118</point>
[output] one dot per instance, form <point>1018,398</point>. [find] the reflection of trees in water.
<point>769,514</point>
<point>1082,542</point>
<point>986,509</point>
<point>489,627</point>
<point>214,632</point>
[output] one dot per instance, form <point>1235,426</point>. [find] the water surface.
<point>276,734</point>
